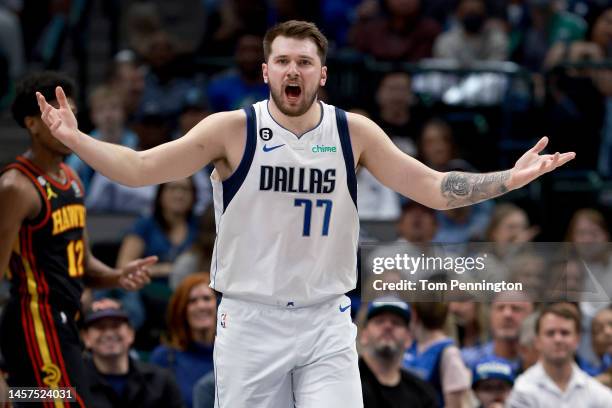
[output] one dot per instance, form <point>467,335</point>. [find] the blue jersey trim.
<point>347,152</point>
<point>234,182</point>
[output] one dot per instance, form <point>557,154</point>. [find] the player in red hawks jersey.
<point>43,245</point>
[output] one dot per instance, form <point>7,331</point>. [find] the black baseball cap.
<point>389,304</point>
<point>93,316</point>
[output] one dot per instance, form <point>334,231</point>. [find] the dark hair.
<point>25,103</point>
<point>593,15</point>
<point>158,211</point>
<point>447,135</point>
<point>563,310</point>
<point>431,314</point>
<point>296,29</point>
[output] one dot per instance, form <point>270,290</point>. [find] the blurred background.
<point>468,84</point>
<point>460,84</point>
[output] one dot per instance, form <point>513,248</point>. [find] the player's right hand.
<point>61,121</point>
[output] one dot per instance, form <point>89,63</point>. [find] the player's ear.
<point>264,71</point>
<point>323,75</point>
<point>32,123</point>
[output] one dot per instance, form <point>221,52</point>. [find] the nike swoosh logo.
<point>269,149</point>
<point>345,308</point>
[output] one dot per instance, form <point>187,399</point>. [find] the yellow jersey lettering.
<point>68,217</point>
<point>58,226</point>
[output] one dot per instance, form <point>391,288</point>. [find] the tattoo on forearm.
<point>461,189</point>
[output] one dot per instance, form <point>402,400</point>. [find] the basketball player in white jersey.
<point>287,225</point>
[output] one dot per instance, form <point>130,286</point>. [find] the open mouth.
<point>293,91</point>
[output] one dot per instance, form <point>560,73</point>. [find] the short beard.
<point>279,104</point>
<point>387,352</point>
<point>506,337</point>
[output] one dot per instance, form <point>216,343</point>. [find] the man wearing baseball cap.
<point>492,381</point>
<point>117,380</point>
<point>383,339</point>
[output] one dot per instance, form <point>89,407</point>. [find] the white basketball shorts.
<point>283,357</point>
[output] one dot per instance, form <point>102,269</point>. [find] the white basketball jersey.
<point>287,223</point>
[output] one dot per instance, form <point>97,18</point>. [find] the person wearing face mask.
<point>116,379</point>
<point>473,38</point>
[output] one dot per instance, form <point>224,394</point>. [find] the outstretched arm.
<point>411,178</point>
<point>461,189</point>
<point>174,160</point>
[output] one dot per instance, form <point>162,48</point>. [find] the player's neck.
<point>297,124</point>
<point>46,160</point>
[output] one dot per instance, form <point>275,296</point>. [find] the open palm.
<point>532,164</point>
<point>61,121</point>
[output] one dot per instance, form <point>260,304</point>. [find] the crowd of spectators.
<point>174,63</point>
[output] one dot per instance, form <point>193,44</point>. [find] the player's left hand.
<point>136,274</point>
<point>532,164</point>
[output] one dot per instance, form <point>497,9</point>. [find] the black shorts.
<point>42,348</point>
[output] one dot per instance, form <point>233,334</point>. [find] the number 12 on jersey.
<point>76,255</point>
<point>308,213</point>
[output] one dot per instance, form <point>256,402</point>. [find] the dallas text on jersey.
<point>297,180</point>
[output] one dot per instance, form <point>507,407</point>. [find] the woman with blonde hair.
<point>188,348</point>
